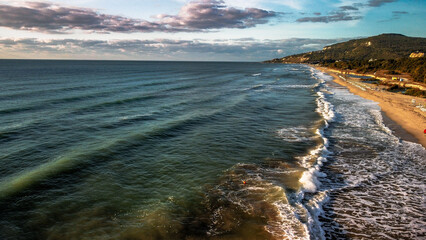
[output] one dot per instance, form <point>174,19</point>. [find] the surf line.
<point>315,159</point>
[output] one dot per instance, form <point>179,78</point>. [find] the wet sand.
<point>400,112</point>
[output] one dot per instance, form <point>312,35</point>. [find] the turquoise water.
<point>196,150</point>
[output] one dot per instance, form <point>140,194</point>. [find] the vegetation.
<point>372,81</point>
<point>415,92</point>
<point>416,67</point>
<point>407,91</point>
<point>384,52</point>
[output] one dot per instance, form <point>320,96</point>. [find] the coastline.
<point>399,111</point>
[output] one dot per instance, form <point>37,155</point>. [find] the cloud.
<point>213,14</point>
<point>348,8</point>
<point>399,12</point>
<point>378,3</point>
<point>395,16</point>
<point>245,49</point>
<point>45,17</point>
<point>345,12</point>
<point>198,15</point>
<point>294,4</point>
<point>335,17</point>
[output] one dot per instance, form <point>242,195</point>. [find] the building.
<point>417,54</point>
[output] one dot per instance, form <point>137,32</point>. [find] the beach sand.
<point>396,108</point>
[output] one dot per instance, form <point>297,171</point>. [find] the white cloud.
<point>294,4</point>
<point>195,16</point>
<point>246,49</point>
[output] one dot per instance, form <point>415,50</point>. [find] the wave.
<point>367,179</point>
<point>270,198</point>
<point>32,92</point>
<point>269,87</point>
<point>255,87</point>
<point>296,134</point>
<point>21,109</point>
<point>275,190</point>
<point>250,197</point>
<point>321,76</point>
<point>127,120</point>
<point>82,155</point>
<point>374,173</point>
<point>10,133</point>
<point>49,103</point>
<point>299,86</point>
<point>315,160</point>
<point>63,100</point>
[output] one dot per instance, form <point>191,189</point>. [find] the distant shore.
<point>401,109</point>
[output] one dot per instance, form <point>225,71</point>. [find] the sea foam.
<point>316,158</point>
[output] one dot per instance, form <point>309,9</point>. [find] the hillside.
<point>383,52</point>
<point>385,46</point>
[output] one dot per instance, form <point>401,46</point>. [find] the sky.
<point>195,30</point>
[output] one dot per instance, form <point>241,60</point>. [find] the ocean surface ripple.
<point>193,150</point>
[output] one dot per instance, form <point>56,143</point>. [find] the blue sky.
<point>201,30</point>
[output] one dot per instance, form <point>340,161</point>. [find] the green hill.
<point>385,46</point>
<point>382,52</point>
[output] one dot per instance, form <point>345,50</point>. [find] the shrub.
<point>415,92</point>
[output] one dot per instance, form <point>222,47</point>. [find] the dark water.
<point>180,150</point>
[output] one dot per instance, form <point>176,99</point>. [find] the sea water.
<point>194,150</point>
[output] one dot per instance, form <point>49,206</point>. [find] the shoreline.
<point>399,112</point>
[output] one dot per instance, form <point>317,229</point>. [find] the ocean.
<point>199,150</point>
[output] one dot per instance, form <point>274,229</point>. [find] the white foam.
<point>289,225</point>
<point>271,86</point>
<point>382,174</point>
<point>382,177</point>
<point>255,87</point>
<point>314,207</point>
<point>131,117</point>
<point>315,159</point>
<point>379,120</point>
<point>321,76</point>
<point>309,181</point>
<point>325,108</point>
<point>261,186</point>
<point>298,86</point>
<point>295,134</point>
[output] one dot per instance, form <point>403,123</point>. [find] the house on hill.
<point>417,54</point>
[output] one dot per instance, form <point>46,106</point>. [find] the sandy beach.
<point>402,109</point>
